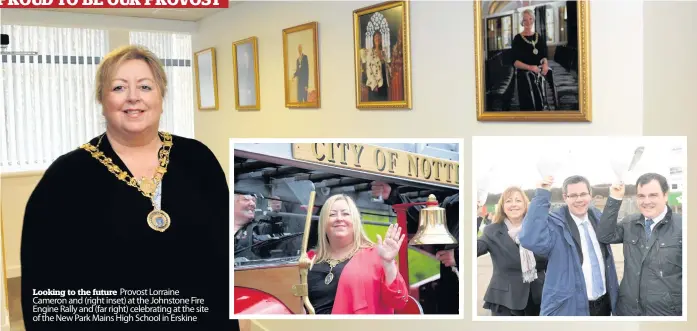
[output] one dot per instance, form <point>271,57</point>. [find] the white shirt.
<point>586,267</point>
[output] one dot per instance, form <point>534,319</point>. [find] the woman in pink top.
<point>350,274</point>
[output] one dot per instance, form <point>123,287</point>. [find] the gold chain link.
<point>124,175</point>
<point>533,43</point>
<point>334,262</point>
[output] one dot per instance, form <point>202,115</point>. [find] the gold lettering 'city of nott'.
<point>381,160</point>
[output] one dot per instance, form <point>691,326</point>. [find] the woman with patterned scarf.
<point>515,288</point>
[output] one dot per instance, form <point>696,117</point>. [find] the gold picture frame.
<point>496,100</point>
<point>301,73</point>
<point>205,72</point>
<point>391,22</point>
<point>245,62</point>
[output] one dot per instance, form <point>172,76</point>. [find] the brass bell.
<point>433,228</point>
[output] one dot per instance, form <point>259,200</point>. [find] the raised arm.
<point>609,231</point>
<point>393,288</point>
<point>536,234</point>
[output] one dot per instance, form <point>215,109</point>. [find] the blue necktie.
<point>647,227</point>
<point>598,284</point>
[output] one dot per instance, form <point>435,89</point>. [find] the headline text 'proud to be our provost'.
<point>29,4</point>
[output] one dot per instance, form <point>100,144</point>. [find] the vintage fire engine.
<point>281,188</point>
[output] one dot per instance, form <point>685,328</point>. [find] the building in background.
<point>676,179</point>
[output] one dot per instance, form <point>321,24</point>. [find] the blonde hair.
<point>529,12</point>
<point>360,238</point>
<point>500,214</point>
<point>117,57</point>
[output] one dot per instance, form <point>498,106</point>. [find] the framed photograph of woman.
<point>382,57</point>
<point>532,61</point>
<point>245,61</point>
<point>206,76</point>
<point>301,66</point>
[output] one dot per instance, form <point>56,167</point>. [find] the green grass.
<point>421,266</point>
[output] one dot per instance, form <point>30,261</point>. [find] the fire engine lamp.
<point>433,230</point>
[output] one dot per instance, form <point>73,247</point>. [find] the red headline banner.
<point>28,4</point>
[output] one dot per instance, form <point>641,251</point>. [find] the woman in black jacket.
<point>515,288</point>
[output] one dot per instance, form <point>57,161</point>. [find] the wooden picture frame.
<point>245,64</point>
<point>301,73</point>
<point>205,72</point>
<point>564,94</point>
<point>383,81</point>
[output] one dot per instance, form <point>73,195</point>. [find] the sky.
<point>499,162</point>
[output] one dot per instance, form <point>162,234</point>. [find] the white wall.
<point>442,40</point>
<point>670,109</point>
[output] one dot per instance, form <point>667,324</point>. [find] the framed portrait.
<point>382,57</point>
<point>301,66</point>
<point>532,61</point>
<point>245,63</point>
<point>206,79</point>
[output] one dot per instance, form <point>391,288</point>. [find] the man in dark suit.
<point>576,258</point>
<point>247,79</point>
<point>302,73</point>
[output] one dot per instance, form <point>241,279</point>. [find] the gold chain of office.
<point>533,43</point>
<point>146,186</point>
<point>333,263</point>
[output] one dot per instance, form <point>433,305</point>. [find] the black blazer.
<point>506,287</point>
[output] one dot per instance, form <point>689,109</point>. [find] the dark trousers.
<point>448,291</point>
<point>532,309</point>
<point>601,306</point>
<point>302,93</point>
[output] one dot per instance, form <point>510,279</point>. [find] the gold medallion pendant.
<point>333,263</point>
<point>147,185</point>
<point>158,220</point>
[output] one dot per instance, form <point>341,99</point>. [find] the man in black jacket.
<point>448,285</point>
<point>652,282</point>
<point>448,288</point>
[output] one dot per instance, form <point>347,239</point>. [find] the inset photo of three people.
<point>580,226</point>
